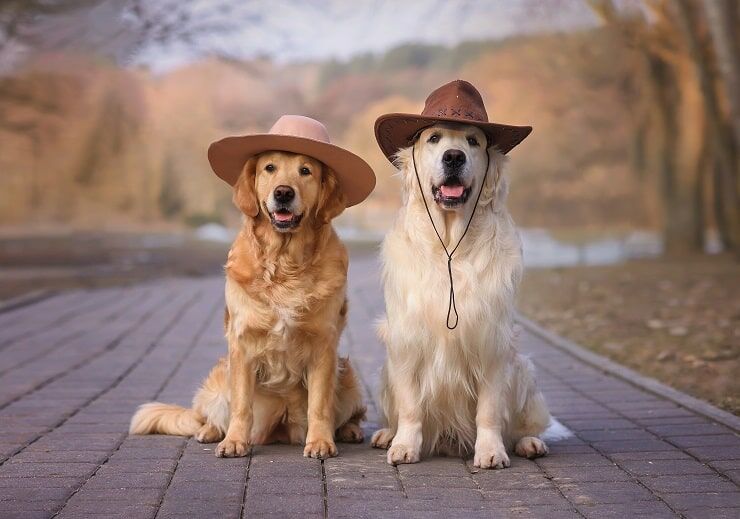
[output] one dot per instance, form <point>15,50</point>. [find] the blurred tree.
<point>673,55</point>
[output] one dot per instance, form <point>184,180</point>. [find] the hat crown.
<point>457,99</point>
<point>300,126</point>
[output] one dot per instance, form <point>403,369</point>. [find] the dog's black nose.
<point>453,159</point>
<point>284,194</point>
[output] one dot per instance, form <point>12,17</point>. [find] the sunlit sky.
<point>283,30</point>
<point>298,30</point>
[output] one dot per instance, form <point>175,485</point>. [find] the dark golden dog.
<point>286,308</point>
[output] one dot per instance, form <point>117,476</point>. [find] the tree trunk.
<point>722,18</point>
<point>680,225</point>
<point>720,131</point>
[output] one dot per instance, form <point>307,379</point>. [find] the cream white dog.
<point>465,390</point>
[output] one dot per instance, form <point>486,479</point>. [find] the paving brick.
<point>40,482</point>
<point>578,460</point>
<point>734,475</point>
<point>613,446</point>
<point>705,440</point>
<point>122,465</point>
<point>116,496</point>
<point>25,514</point>
<point>446,496</point>
<point>587,474</point>
<point>281,503</point>
<point>34,493</point>
<point>715,513</point>
<point>525,497</point>
<point>605,493</point>
<point>286,485</point>
<point>49,506</point>
<point>438,481</point>
<point>674,454</point>
<point>103,480</point>
<point>687,429</point>
<point>646,509</point>
<point>723,465</point>
<point>17,470</point>
<point>501,479</point>
<point>61,456</point>
<point>702,501</point>
<point>715,452</point>
<point>207,509</point>
<point>695,483</point>
<point>665,467</point>
<point>368,481</point>
<point>217,490</point>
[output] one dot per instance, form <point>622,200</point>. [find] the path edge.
<point>626,374</point>
<point>26,299</point>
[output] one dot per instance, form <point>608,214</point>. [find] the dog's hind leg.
<point>211,402</point>
<point>349,409</point>
<point>530,415</point>
<point>382,438</point>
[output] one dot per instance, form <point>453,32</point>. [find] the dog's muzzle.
<point>451,193</point>
<point>282,217</point>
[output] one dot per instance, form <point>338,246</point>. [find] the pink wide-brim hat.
<point>295,134</point>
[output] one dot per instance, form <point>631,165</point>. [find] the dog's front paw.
<point>229,448</point>
<point>382,439</point>
<point>491,458</point>
<point>400,453</point>
<point>320,448</point>
<point>530,447</point>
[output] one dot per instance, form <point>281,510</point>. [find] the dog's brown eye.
<point>269,168</point>
<point>472,141</point>
<point>304,171</point>
<point>434,138</point>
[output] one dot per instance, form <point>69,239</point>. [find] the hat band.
<point>450,111</point>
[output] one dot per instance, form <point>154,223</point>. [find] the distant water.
<point>541,249</point>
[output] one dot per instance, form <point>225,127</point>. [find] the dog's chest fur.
<point>449,365</point>
<point>276,314</point>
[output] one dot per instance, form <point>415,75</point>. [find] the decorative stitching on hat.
<point>456,111</point>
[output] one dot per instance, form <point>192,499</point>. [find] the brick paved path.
<point>73,368</point>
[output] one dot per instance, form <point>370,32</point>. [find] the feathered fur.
<point>286,308</point>
<point>451,375</point>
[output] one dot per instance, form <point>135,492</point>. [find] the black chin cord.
<point>451,307</point>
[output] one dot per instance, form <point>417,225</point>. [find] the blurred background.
<point>627,192</point>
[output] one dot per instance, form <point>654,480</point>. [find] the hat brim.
<point>397,130</point>
<point>356,178</point>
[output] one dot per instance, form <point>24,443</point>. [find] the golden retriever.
<point>466,390</point>
<point>286,307</point>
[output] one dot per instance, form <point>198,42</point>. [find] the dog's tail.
<point>158,418</point>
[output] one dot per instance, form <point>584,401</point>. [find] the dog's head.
<point>451,161</point>
<point>292,190</point>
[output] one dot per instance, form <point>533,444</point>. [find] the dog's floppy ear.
<point>245,197</point>
<point>495,189</point>
<point>331,199</point>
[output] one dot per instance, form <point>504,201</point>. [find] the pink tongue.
<point>452,191</point>
<point>283,217</point>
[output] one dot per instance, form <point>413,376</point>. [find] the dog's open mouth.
<point>452,193</point>
<point>284,219</point>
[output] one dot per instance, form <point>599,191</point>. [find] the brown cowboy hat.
<point>455,102</point>
<point>295,134</point>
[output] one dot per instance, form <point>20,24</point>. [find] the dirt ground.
<point>675,320</point>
